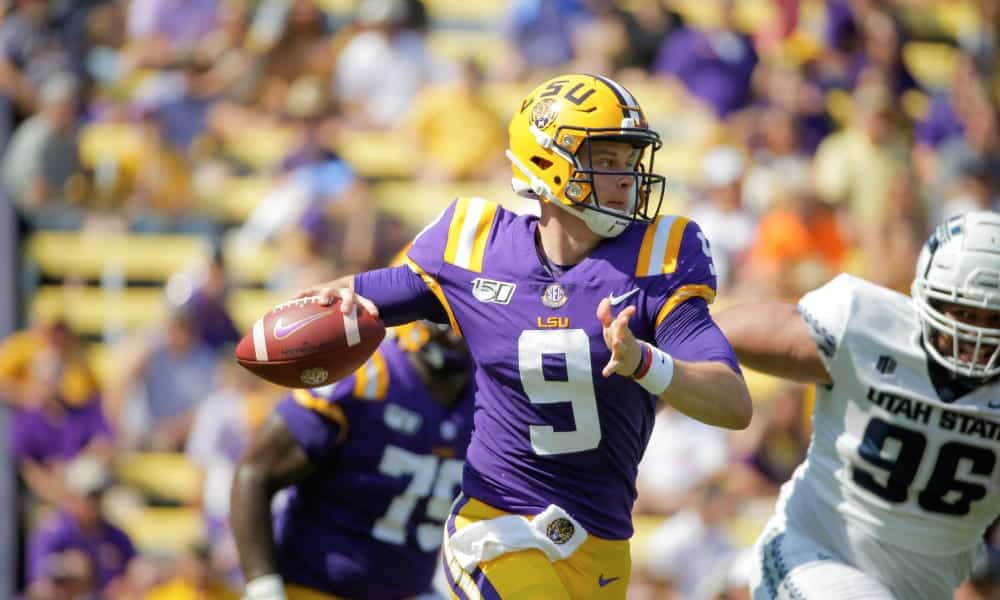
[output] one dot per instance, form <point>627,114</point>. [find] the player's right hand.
<point>343,289</point>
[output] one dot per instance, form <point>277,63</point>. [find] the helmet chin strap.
<point>602,224</point>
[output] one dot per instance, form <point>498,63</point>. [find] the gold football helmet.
<point>550,154</point>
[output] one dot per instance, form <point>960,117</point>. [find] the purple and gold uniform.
<point>388,462</point>
<point>549,428</point>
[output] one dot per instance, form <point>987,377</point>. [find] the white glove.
<point>265,587</point>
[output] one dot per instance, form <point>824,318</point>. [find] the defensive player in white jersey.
<point>901,479</point>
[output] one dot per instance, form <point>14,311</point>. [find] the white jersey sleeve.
<point>826,311</point>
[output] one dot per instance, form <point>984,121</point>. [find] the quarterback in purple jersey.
<point>579,322</point>
<point>375,462</point>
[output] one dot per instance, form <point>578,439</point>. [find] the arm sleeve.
<point>689,333</point>
<point>826,312</point>
<point>687,273</point>
<point>318,422</point>
<point>400,295</point>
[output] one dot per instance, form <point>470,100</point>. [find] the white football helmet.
<point>960,264</point>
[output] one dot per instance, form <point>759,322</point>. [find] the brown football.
<point>303,344</point>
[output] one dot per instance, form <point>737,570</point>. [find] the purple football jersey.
<point>367,522</point>
<point>549,428</point>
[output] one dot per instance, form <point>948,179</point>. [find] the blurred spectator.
<point>194,579</point>
<point>30,52</point>
<point>442,111</point>
<point>776,162</point>
<point>780,439</point>
<point>82,527</point>
<point>45,437</point>
<point>163,384</point>
<point>383,65</point>
<point>222,427</point>
<point>714,64</point>
<point>974,155</point>
<point>45,361</point>
<point>899,235</point>
<point>43,155</point>
<point>882,52</point>
<point>727,226</point>
<point>297,44</point>
<point>798,245</point>
<point>797,91</point>
<point>694,543</point>
<point>541,31</point>
<point>682,454</point>
<point>164,32</point>
<point>646,24</point>
<point>208,305</point>
<point>855,167</point>
<point>68,574</point>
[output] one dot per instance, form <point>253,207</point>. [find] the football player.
<point>580,322</point>
<point>901,478</point>
<point>374,462</point>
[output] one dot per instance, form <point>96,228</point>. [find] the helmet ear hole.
<point>558,180</point>
<point>541,163</point>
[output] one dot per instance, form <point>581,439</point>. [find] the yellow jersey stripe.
<point>468,231</point>
<point>455,230</point>
<point>481,235</point>
<point>361,380</point>
<point>381,379</point>
<point>642,266</point>
<point>660,246</point>
<point>435,288</point>
<point>321,406</point>
<point>372,380</point>
<point>674,245</point>
<point>683,293</point>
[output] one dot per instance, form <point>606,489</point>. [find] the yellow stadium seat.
<point>145,257</point>
<point>237,197</point>
<point>505,96</point>
<point>489,48</point>
<point>162,530</point>
<point>418,203</point>
<point>246,306</point>
<point>249,264</point>
<point>165,475</point>
<point>90,310</point>
<point>379,153</point>
<point>932,64</point>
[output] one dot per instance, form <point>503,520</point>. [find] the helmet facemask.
<point>984,360</point>
<point>646,188</point>
<point>958,275</point>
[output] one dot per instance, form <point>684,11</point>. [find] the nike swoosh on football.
<point>281,331</point>
<point>601,581</point>
<point>616,300</point>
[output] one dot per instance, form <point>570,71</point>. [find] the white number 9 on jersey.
<point>577,389</point>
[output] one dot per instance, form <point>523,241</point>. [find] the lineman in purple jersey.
<point>375,462</point>
<point>579,322</point>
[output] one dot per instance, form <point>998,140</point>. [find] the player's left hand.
<point>625,350</point>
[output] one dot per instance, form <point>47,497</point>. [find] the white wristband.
<point>265,587</point>
<point>660,373</point>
